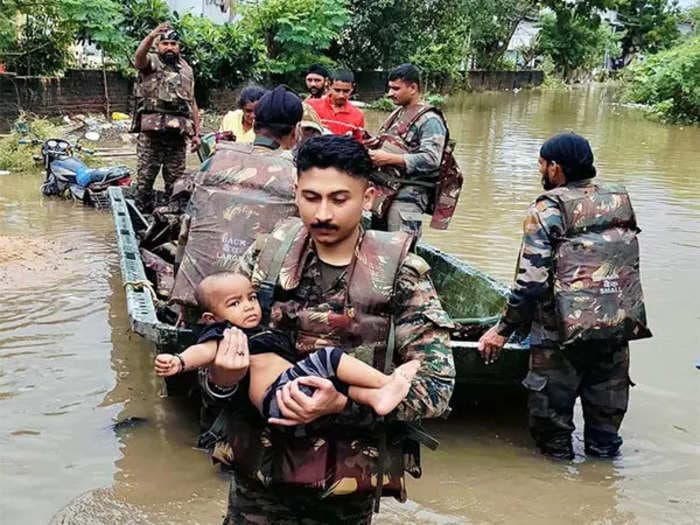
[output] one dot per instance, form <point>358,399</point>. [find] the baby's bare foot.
<point>390,395</point>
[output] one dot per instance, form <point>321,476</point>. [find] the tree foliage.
<point>222,55</point>
<point>668,82</point>
<point>650,25</point>
<point>576,42</point>
<point>295,32</point>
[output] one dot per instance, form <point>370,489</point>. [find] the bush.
<point>221,55</point>
<point>17,157</point>
<point>381,104</point>
<point>669,82</point>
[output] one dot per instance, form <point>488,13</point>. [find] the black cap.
<point>573,153</point>
<point>279,107</point>
<point>170,35</point>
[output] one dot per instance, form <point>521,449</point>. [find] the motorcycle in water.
<point>67,175</point>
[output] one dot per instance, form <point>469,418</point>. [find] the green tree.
<point>490,25</point>
<point>381,35</point>
<point>221,55</point>
<point>650,25</point>
<point>295,32</point>
<point>439,35</point>
<point>575,42</point>
<point>669,82</point>
<point>34,38</point>
<point>39,38</point>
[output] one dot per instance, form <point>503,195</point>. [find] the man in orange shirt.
<point>335,109</point>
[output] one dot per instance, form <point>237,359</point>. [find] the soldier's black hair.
<point>318,69</point>
<point>406,72</point>
<point>343,75</point>
<point>573,153</point>
<point>249,94</point>
<point>334,151</point>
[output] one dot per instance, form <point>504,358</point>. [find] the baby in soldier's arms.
<point>229,300</point>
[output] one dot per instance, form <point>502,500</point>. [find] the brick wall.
<point>78,91</point>
<point>82,91</point>
<point>371,85</point>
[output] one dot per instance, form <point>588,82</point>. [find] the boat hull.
<point>472,298</point>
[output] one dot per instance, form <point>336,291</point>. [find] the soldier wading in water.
<point>166,114</point>
<point>327,282</point>
<point>416,169</point>
<point>578,293</point>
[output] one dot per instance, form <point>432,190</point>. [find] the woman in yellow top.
<point>240,122</point>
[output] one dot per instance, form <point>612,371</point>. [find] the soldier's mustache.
<point>324,226</point>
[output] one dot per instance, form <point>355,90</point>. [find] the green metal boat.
<point>472,298</point>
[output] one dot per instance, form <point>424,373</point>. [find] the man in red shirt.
<point>335,109</point>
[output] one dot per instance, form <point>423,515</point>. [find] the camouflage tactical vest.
<point>445,190</point>
<point>245,192</point>
<point>164,97</point>
<point>597,286</point>
<point>340,461</point>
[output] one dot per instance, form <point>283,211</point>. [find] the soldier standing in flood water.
<point>331,283</point>
<point>423,133</point>
<point>578,291</point>
<point>166,114</point>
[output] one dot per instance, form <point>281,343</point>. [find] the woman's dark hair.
<point>406,72</point>
<point>250,94</point>
<point>334,151</point>
<point>573,153</point>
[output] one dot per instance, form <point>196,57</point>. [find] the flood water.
<point>69,367</point>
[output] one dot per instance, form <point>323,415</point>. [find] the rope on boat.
<point>140,286</point>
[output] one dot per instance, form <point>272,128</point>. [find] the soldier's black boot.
<point>558,447</point>
<point>602,444</point>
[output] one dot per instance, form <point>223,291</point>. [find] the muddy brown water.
<point>69,366</point>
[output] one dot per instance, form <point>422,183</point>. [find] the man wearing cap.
<point>165,113</point>
<point>316,79</point>
<point>578,294</point>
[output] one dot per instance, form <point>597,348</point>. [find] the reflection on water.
<point>69,366</point>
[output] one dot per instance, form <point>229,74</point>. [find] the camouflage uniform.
<point>167,149</point>
<point>597,371</point>
<point>425,141</point>
<point>421,330</point>
<point>163,116</point>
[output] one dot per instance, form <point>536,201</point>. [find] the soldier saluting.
<point>166,114</point>
<point>578,292</point>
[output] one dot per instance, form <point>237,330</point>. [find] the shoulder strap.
<point>377,263</point>
<point>266,288</point>
<point>389,121</point>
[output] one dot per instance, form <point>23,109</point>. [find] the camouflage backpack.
<point>597,286</point>
<point>244,192</point>
<point>450,179</point>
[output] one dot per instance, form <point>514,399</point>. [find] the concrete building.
<point>218,11</point>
